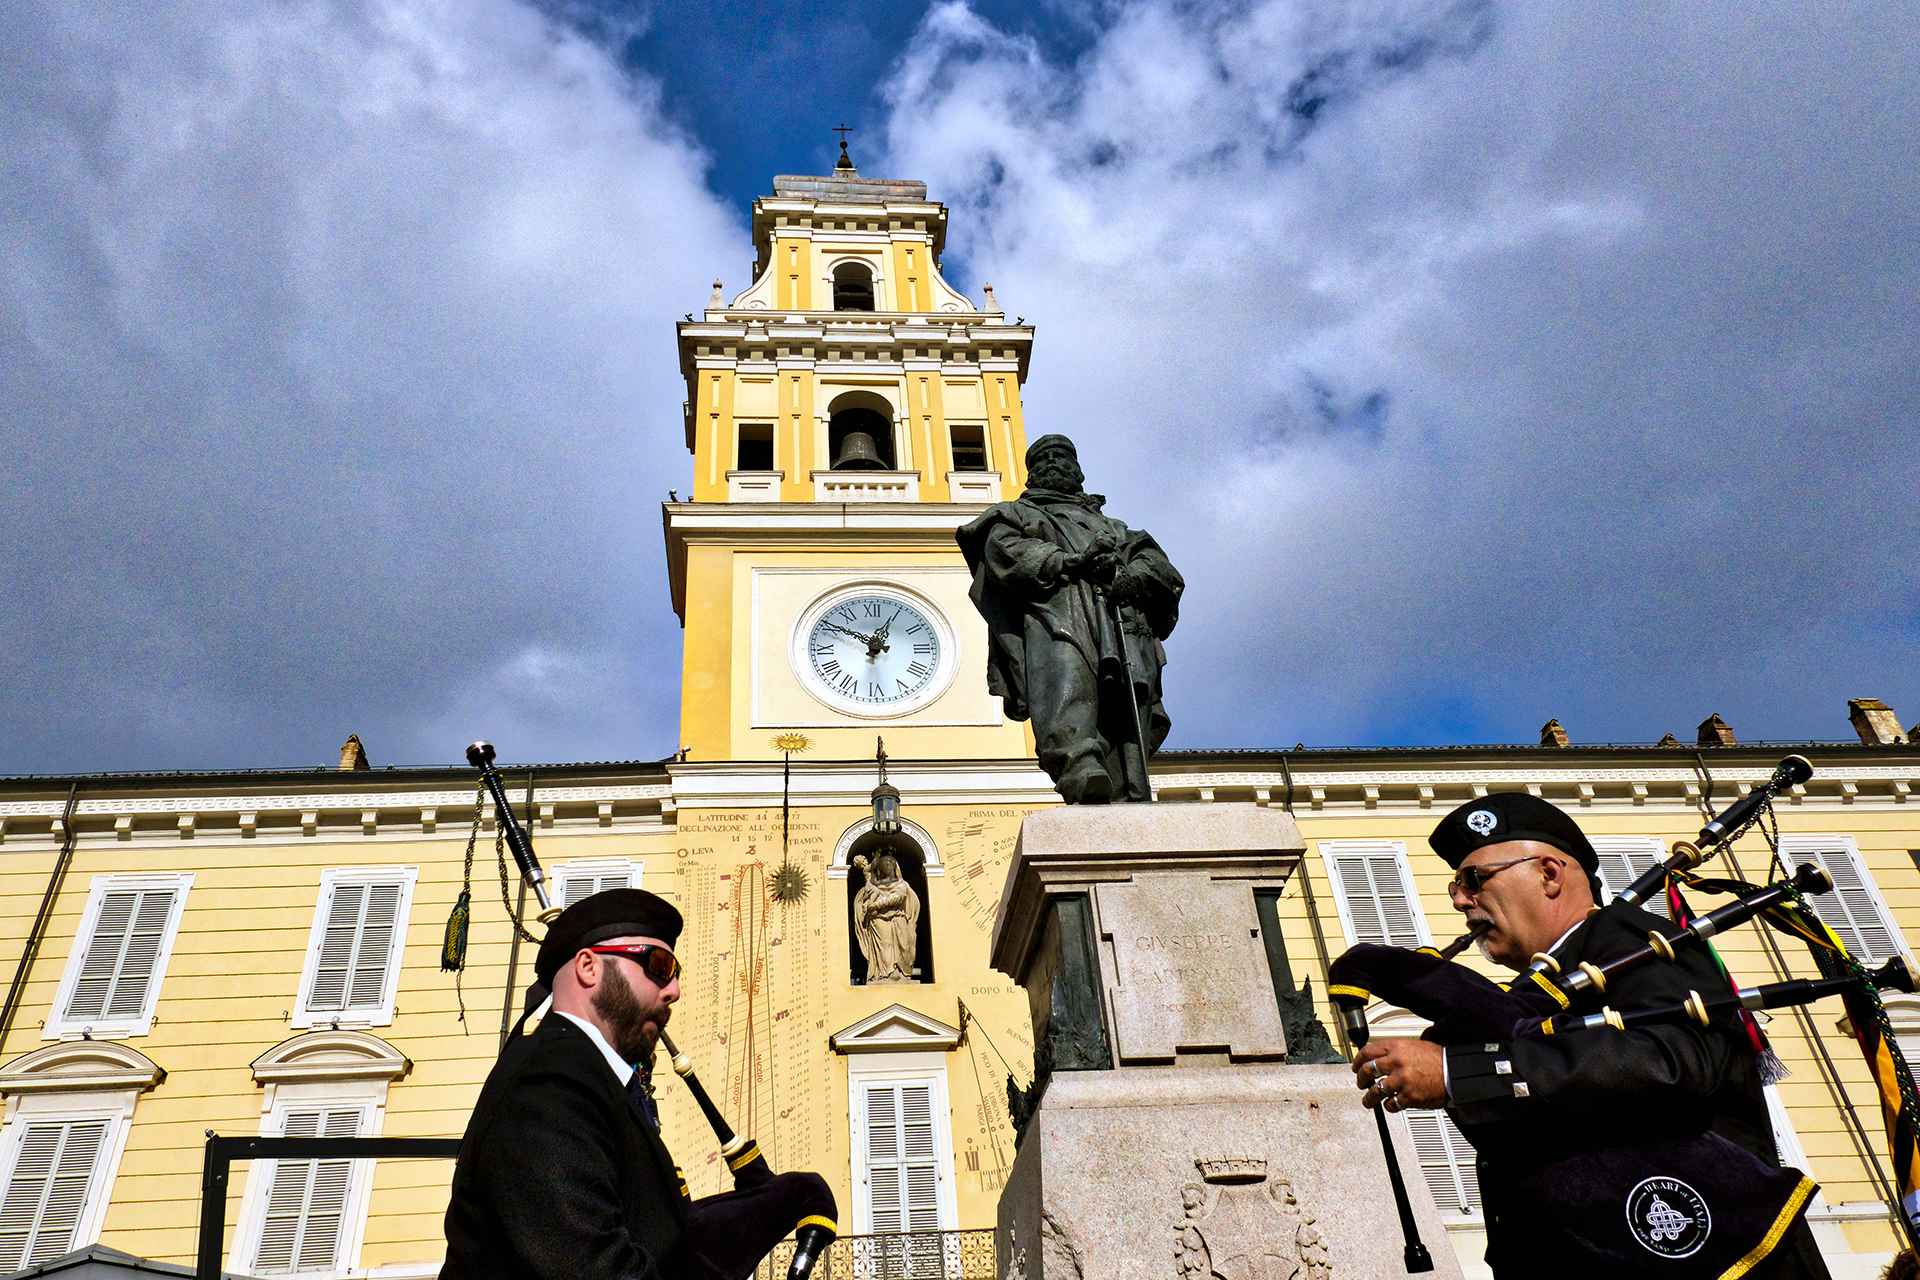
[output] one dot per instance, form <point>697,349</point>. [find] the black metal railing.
<point>222,1152</point>
<point>910,1255</point>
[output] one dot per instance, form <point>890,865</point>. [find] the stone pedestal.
<point>1166,1135</point>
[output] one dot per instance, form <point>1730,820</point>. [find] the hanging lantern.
<point>886,810</point>
<point>886,799</point>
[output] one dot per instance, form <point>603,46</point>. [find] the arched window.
<point>853,287</point>
<point>892,863</point>
<point>877,429</point>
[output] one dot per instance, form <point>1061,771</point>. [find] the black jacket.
<point>1544,1112</point>
<point>559,1176</point>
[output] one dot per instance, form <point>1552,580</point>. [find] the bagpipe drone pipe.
<point>1465,1007</point>
<point>728,1227</point>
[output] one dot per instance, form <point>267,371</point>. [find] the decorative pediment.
<point>81,1066</point>
<point>330,1055</point>
<point>895,1029</point>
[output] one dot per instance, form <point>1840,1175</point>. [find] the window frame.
<point>595,867</point>
<point>370,1097</point>
<point>114,1107</point>
<point>1331,849</point>
<point>923,1067</point>
<point>1823,845</point>
<point>1626,847</point>
<point>59,1027</point>
<point>305,1018</point>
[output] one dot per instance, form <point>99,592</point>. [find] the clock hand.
<point>879,640</point>
<point>867,640</point>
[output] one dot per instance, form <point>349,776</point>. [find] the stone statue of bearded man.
<point>1076,606</point>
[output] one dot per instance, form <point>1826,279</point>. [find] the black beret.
<point>611,913</point>
<point>1051,444</point>
<point>1510,815</point>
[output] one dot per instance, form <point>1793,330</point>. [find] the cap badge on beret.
<point>1482,821</point>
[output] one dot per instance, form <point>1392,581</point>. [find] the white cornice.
<point>698,521</point>
<point>895,1029</point>
<point>740,785</point>
<point>81,1066</point>
<point>327,1055</point>
<point>325,801</point>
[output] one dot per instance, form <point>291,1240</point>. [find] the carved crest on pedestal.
<point>1238,1223</point>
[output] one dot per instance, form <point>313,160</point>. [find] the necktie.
<point>643,1098</point>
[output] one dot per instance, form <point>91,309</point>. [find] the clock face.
<point>873,652</point>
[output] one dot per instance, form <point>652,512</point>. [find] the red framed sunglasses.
<point>658,963</point>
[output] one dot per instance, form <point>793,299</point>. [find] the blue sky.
<point>1478,362</point>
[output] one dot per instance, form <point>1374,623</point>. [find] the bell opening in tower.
<point>969,447</point>
<point>756,447</point>
<point>853,287</point>
<point>860,440</point>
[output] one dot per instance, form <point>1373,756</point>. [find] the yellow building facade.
<point>259,952</point>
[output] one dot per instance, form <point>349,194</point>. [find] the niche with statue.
<point>889,930</point>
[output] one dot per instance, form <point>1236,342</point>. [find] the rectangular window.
<point>112,980</point>
<point>1624,859</point>
<point>49,1188</point>
<point>304,1223</point>
<point>969,447</point>
<point>576,880</point>
<point>903,1162</point>
<point>756,447</point>
<point>1854,909</point>
<point>353,952</point>
<point>1446,1162</point>
<point>1373,889</point>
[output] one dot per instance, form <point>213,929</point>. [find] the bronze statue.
<point>1076,606</point>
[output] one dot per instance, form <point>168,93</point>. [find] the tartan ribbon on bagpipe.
<point>1866,1016</point>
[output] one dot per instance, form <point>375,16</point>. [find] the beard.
<point>628,1015</point>
<point>1057,472</point>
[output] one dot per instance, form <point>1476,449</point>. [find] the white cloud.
<point>336,343</point>
<point>1477,364</point>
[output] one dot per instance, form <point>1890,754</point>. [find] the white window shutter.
<point>1624,859</point>
<point>356,947</point>
<point>903,1161</point>
<point>120,957</point>
<point>307,1202</point>
<point>1851,909</point>
<point>920,1164</point>
<point>585,881</point>
<point>883,1158</point>
<point>48,1191</point>
<point>1376,891</point>
<point>1446,1161</point>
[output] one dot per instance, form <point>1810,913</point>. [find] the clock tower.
<point>846,412</point>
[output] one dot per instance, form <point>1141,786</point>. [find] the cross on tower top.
<point>845,162</point>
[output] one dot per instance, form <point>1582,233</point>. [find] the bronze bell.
<point>858,453</point>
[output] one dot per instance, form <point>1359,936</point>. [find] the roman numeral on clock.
<point>926,647</point>
<point>920,669</point>
<point>830,668</point>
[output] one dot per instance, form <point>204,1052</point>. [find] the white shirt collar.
<point>1550,950</point>
<point>621,1068</point>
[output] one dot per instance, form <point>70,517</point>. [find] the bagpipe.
<point>1466,1008</point>
<point>758,1192</point>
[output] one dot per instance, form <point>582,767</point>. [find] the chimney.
<point>353,756</point>
<point>1668,741</point>
<point>1552,735</point>
<point>1874,721</point>
<point>1715,732</point>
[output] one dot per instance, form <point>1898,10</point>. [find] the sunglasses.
<point>1473,879</point>
<point>658,963</point>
